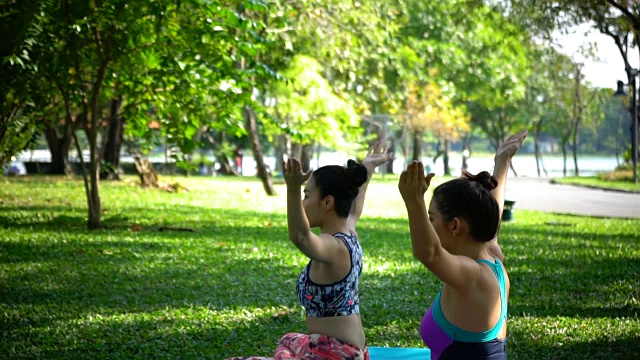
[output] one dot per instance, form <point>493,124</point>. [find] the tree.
<point>429,109</point>
<point>533,108</point>
<point>587,108</point>
<point>480,55</point>
<point>308,112</point>
<point>610,134</point>
<point>21,25</point>
<point>619,19</point>
<point>173,63</point>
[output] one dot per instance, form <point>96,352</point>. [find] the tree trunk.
<point>221,158</point>
<point>538,152</point>
<point>465,147</point>
<point>445,157</point>
<point>495,141</point>
<point>618,142</point>
<point>113,145</point>
<point>564,158</point>
<point>392,150</point>
<point>256,148</point>
<point>438,152</point>
<point>576,121</point>
<point>317,153</point>
<point>225,166</point>
<point>405,146</point>
<point>305,158</point>
<point>513,169</point>
<point>95,208</point>
<point>576,171</point>
<point>280,151</point>
<point>59,147</point>
<point>417,145</point>
<point>296,151</point>
<point>147,174</point>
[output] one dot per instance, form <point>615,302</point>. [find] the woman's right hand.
<point>413,182</point>
<point>292,173</point>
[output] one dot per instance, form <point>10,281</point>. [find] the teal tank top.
<point>455,333</point>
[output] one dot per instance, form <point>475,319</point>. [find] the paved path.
<point>540,194</point>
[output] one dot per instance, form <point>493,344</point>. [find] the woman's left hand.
<point>376,156</point>
<point>510,146</point>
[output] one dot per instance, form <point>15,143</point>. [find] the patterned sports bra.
<point>339,298</point>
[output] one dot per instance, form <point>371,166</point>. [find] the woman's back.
<point>469,325</point>
<point>329,293</point>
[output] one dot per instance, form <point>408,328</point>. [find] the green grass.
<point>598,182</point>
<point>131,291</point>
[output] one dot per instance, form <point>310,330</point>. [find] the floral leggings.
<point>313,347</point>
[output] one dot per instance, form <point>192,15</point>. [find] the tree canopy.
<point>194,73</point>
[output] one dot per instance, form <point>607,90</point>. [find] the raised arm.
<point>460,272</point>
<point>310,244</point>
<point>376,156</point>
<point>502,161</point>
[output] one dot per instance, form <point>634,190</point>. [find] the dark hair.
<point>342,183</point>
<point>469,198</point>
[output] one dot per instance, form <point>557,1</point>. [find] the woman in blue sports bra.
<point>328,286</point>
<point>456,239</point>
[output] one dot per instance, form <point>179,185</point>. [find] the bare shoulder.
<point>336,244</point>
<point>494,249</point>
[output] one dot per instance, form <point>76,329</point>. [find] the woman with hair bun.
<point>328,285</point>
<point>456,239</point>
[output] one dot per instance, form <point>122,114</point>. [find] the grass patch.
<point>131,291</point>
<point>603,181</point>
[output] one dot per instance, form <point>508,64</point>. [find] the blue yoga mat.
<point>391,353</point>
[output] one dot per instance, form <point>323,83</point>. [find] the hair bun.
<point>483,178</point>
<point>357,173</point>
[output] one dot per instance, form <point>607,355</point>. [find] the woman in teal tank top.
<point>456,239</point>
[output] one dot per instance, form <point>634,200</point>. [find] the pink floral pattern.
<point>312,347</point>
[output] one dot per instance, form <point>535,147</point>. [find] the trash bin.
<point>507,212</point>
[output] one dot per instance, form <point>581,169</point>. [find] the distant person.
<point>204,169</point>
<point>456,239</point>
<point>239,161</point>
<point>465,158</point>
<point>328,285</point>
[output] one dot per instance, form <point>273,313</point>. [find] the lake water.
<point>524,164</point>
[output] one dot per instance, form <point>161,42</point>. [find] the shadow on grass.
<point>572,273</point>
<point>120,272</point>
<point>218,268</point>
<point>158,338</point>
<point>562,235</point>
<point>63,218</point>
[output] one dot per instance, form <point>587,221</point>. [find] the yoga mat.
<point>394,353</point>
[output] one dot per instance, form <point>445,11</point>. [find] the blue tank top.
<point>337,299</point>
<point>443,337</point>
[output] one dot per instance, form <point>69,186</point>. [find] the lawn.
<point>228,287</point>
<point>600,182</point>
